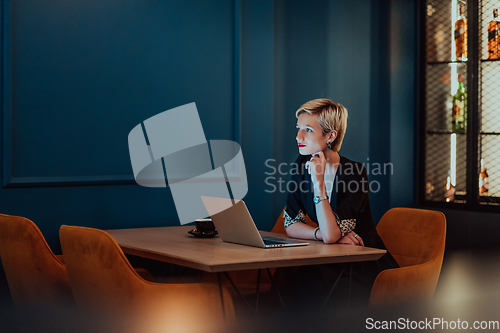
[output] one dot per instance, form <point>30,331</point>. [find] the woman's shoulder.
<point>345,160</point>
<point>349,167</point>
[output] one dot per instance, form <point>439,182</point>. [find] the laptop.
<point>235,224</point>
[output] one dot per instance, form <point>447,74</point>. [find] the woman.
<point>334,192</point>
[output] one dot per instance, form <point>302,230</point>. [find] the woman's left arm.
<point>353,192</point>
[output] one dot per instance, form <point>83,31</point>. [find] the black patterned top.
<point>349,202</point>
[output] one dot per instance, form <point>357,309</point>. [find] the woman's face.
<point>310,137</point>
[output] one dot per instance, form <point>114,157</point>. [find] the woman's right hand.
<point>316,168</point>
<point>351,238</point>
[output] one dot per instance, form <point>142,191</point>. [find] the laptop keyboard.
<point>273,241</point>
<point>279,242</point>
<point>270,242</point>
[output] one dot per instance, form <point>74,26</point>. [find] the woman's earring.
<point>329,146</point>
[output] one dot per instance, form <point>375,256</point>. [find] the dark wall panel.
<point>84,73</point>
<point>257,96</point>
<point>349,54</point>
<point>80,75</point>
<point>403,74</point>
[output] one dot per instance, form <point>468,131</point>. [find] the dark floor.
<point>468,291</point>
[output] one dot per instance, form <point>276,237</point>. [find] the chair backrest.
<point>98,270</point>
<point>413,236</point>
<point>279,227</point>
<point>33,273</point>
<point>103,280</point>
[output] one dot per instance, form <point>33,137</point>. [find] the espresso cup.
<point>205,226</point>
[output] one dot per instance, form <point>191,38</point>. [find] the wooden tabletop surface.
<point>176,246</point>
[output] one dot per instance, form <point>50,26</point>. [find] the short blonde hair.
<point>331,116</point>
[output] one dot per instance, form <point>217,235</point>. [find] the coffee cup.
<point>205,226</point>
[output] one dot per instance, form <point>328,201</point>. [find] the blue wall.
<point>79,75</point>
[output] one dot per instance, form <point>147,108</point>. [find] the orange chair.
<point>103,280</point>
<point>34,274</point>
<point>416,239</point>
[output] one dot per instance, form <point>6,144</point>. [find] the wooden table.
<point>176,246</point>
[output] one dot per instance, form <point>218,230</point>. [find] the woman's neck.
<point>332,157</point>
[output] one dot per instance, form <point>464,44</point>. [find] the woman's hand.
<point>316,168</point>
<point>351,238</point>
